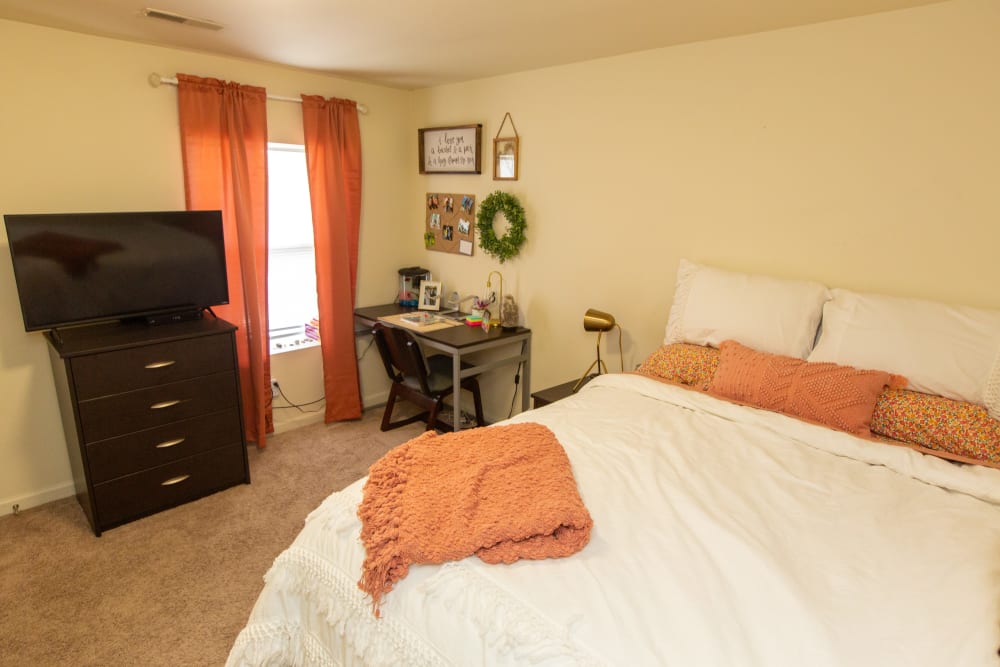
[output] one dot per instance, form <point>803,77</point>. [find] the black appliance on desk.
<point>410,278</point>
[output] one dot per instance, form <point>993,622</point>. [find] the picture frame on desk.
<point>430,295</point>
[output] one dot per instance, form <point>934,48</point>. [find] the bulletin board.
<point>450,223</point>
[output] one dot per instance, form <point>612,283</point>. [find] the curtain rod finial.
<point>155,80</point>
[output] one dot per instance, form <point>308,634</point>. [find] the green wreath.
<point>509,244</point>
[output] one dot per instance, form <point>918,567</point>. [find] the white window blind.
<point>291,282</point>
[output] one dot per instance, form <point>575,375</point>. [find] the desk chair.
<point>424,381</point>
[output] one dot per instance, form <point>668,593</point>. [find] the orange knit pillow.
<point>682,363</point>
<point>837,396</point>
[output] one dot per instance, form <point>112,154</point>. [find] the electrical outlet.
<point>275,390</point>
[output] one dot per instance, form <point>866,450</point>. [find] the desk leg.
<point>526,376</point>
<point>456,397</point>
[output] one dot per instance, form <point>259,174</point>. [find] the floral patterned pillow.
<point>960,430</point>
<point>683,363</point>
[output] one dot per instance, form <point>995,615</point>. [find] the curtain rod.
<point>155,80</point>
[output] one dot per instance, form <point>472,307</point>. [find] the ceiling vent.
<point>180,18</point>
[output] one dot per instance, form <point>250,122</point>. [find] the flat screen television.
<point>77,268</point>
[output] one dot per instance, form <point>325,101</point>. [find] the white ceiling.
<point>419,43</point>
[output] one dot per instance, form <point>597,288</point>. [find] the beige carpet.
<point>174,588</point>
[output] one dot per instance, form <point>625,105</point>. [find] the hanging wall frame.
<point>450,150</point>
<point>505,153</point>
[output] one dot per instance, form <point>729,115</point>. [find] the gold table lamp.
<point>495,319</point>
<point>599,321</point>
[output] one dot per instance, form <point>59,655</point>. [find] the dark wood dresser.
<point>152,415</point>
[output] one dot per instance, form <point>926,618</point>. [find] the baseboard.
<point>302,419</point>
<point>36,499</point>
<point>298,421</point>
<point>375,400</point>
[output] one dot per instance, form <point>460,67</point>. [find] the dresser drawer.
<point>152,490</point>
<point>156,446</point>
<point>107,417</point>
<point>150,365</point>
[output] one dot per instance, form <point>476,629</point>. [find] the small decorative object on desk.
<point>508,314</point>
<point>479,306</point>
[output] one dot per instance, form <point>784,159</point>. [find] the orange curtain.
<point>224,148</point>
<point>333,158</point>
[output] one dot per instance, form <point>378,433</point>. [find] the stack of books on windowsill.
<point>312,329</point>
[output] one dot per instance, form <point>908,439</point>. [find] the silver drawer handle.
<point>174,480</point>
<point>160,364</point>
<point>163,404</point>
<point>170,443</point>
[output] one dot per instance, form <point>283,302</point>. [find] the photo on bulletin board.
<point>450,222</point>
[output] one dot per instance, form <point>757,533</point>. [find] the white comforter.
<point>723,535</point>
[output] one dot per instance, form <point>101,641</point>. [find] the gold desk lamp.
<point>596,320</point>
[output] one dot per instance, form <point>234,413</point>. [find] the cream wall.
<point>82,130</point>
<point>862,153</point>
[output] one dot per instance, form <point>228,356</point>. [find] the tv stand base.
<point>170,318</point>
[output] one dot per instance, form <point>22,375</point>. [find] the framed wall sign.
<point>451,150</point>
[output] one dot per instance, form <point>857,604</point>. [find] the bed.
<point>724,533</point>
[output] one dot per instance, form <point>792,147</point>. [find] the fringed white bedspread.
<point>723,535</point>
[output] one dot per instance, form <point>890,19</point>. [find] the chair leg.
<point>389,404</point>
<point>432,416</point>
<point>396,392</point>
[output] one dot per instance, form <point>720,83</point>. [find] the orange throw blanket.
<point>501,493</point>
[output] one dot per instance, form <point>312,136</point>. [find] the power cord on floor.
<point>291,404</point>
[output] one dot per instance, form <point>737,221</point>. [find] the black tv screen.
<point>76,268</point>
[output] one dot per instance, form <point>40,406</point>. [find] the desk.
<point>464,340</point>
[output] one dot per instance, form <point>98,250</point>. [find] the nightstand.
<point>558,392</point>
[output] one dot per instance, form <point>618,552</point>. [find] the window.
<point>291,279</point>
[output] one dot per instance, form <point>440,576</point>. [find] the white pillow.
<point>768,314</point>
<point>953,351</point>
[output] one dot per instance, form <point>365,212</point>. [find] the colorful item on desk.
<point>474,320</point>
